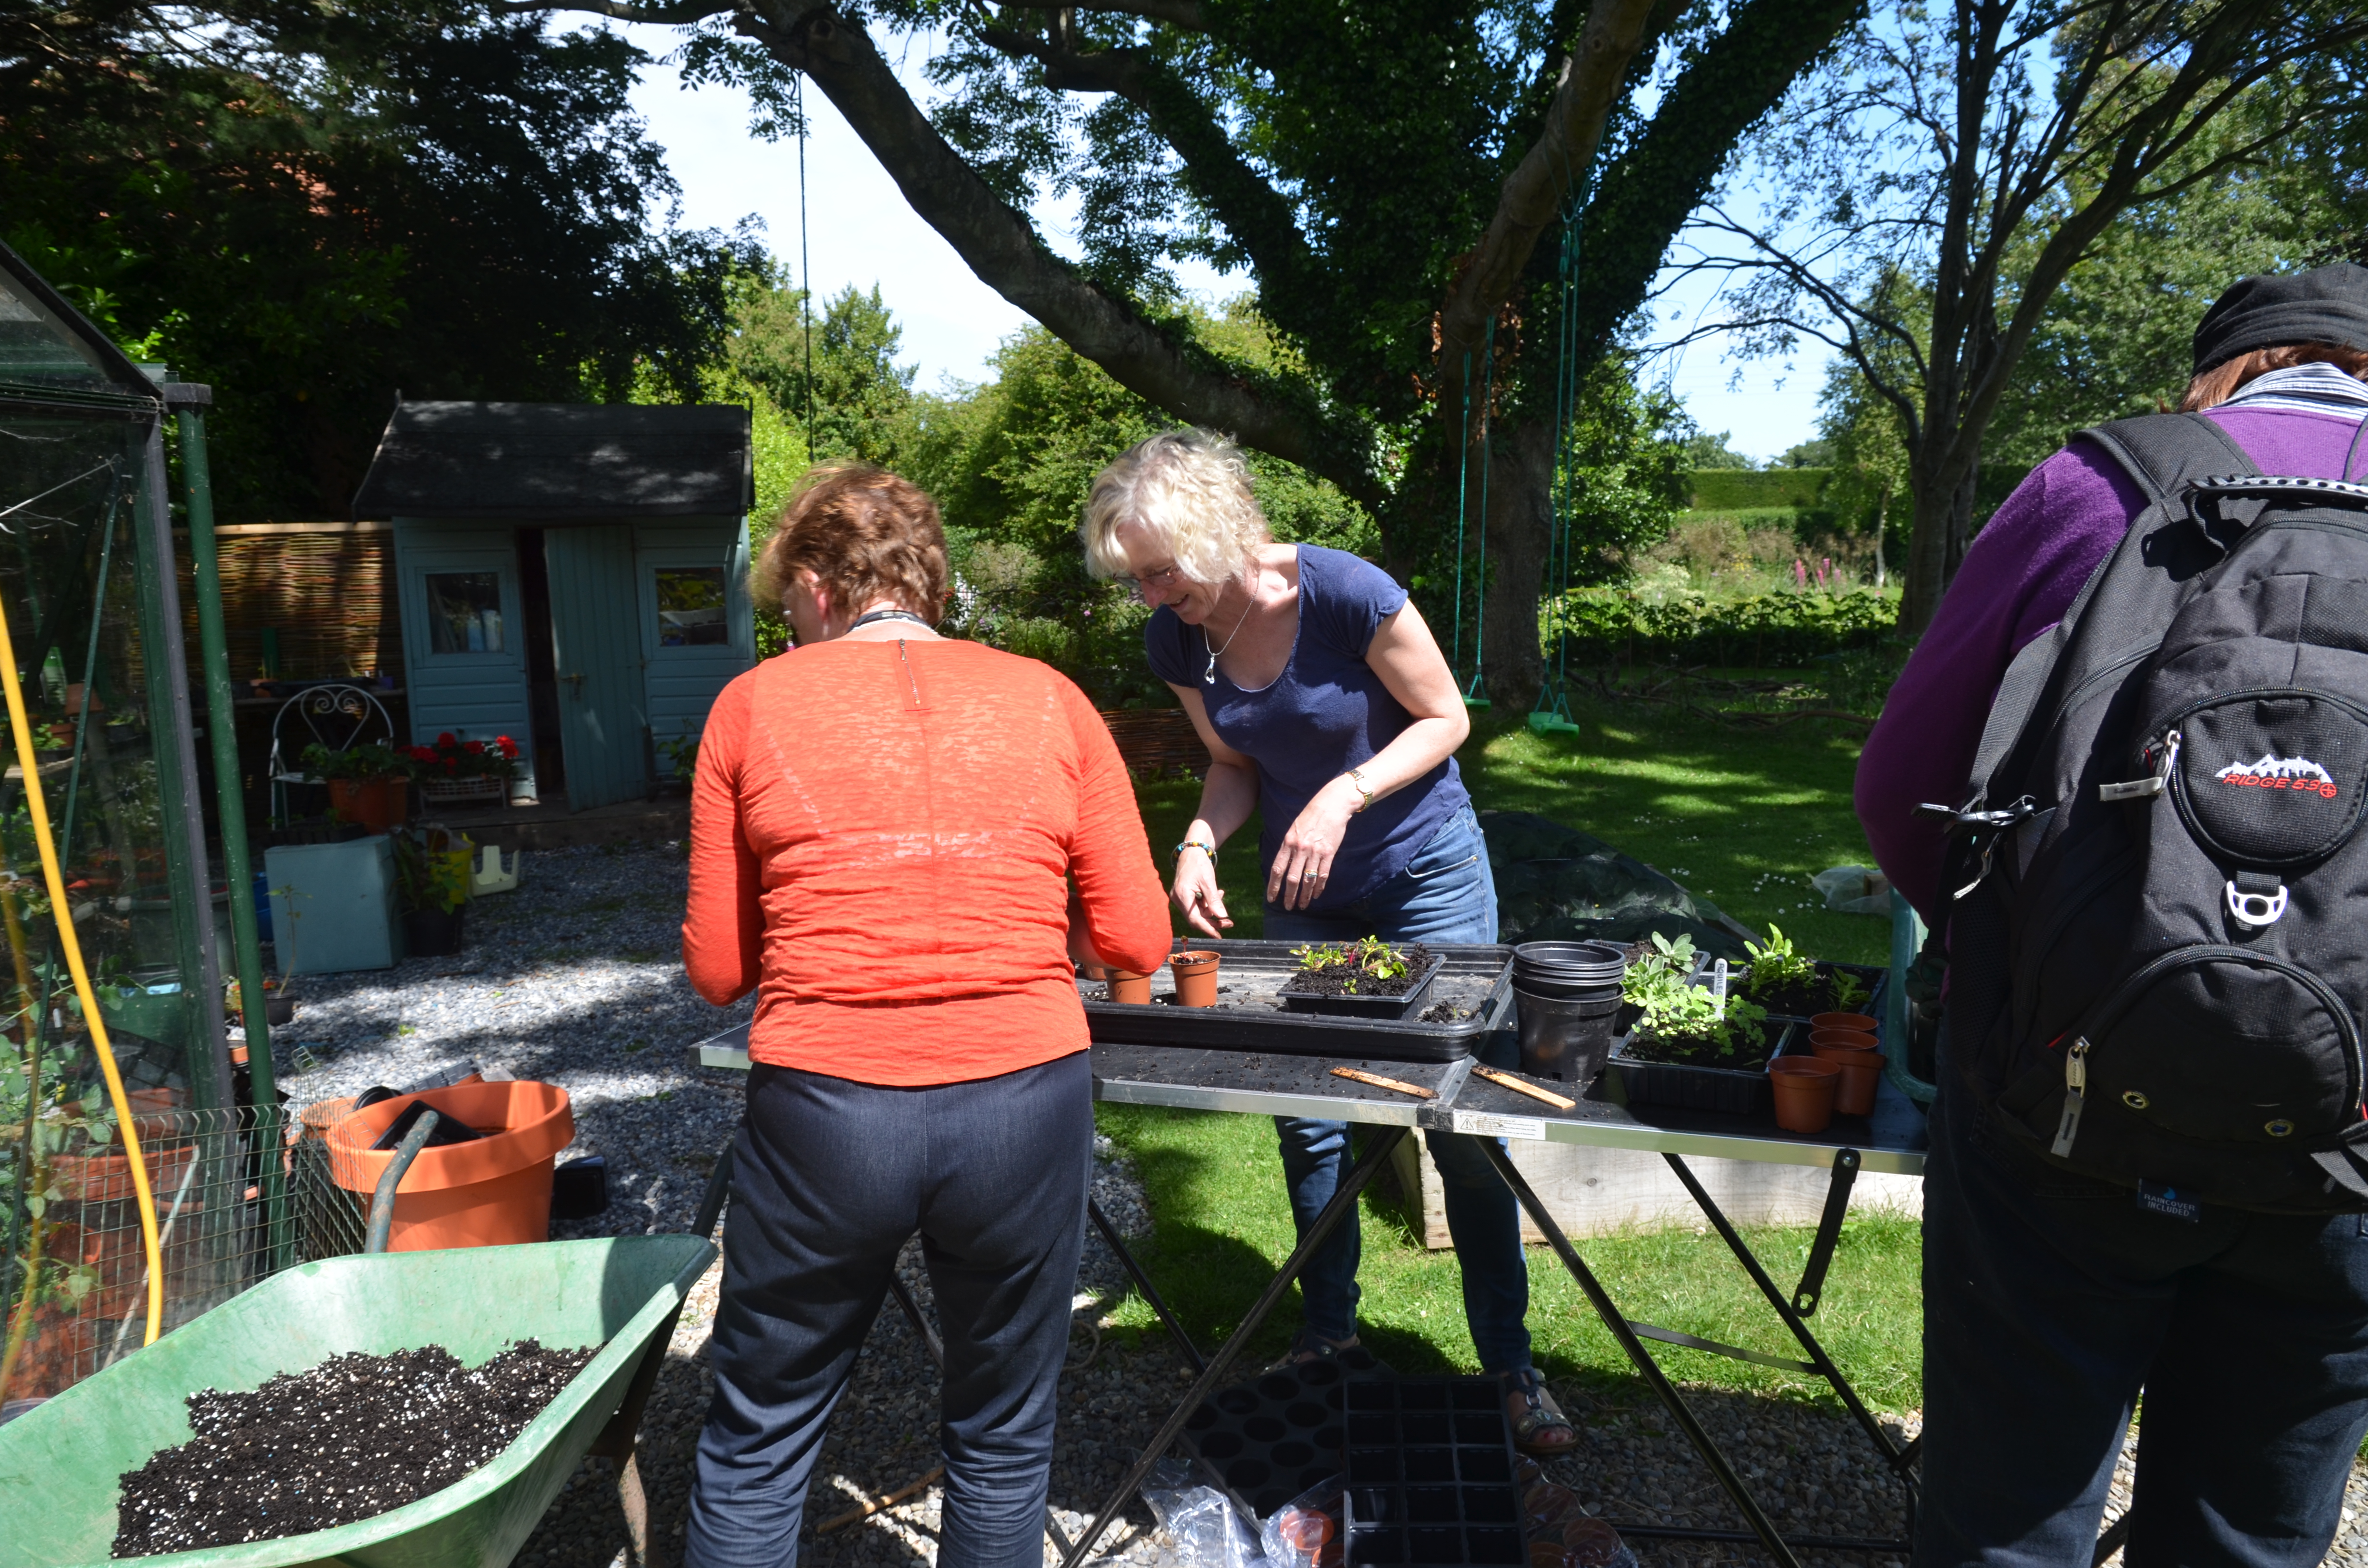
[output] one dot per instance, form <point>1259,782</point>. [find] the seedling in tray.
<point>1685,1024</point>
<point>1369,978</point>
<point>1782,981</point>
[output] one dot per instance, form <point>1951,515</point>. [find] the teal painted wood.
<point>683,681</point>
<point>603,708</point>
<point>474,695</point>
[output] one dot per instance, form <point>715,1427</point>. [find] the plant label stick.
<point>1718,985</point>
<point>1381,1082</point>
<point>1557,1101</point>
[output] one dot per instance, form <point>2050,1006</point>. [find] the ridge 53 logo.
<point>2280,773</point>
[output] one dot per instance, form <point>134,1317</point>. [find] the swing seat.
<point>1543,723</point>
<point>1477,702</point>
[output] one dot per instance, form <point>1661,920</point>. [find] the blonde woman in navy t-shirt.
<point>1325,706</point>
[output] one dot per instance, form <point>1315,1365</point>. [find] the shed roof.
<point>560,461</point>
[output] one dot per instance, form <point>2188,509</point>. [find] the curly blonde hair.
<point>1189,489</point>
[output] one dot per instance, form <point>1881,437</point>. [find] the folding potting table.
<point>1890,1139</point>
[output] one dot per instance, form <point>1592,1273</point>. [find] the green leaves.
<point>1776,964</point>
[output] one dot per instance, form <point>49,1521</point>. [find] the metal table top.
<point>1892,1140</point>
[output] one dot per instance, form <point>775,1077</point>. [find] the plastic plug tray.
<point>1431,1474</point>
<point>1276,1436</point>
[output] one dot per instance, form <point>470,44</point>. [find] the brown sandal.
<point>1538,1415</point>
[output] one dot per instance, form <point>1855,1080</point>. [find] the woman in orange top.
<point>902,845</point>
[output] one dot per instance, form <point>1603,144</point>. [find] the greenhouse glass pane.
<point>37,350</point>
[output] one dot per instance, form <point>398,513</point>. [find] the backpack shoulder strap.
<point>2161,452</point>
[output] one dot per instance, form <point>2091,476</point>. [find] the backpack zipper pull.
<point>2075,1095</point>
<point>2146,788</point>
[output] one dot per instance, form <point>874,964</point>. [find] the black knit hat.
<point>2327,304</point>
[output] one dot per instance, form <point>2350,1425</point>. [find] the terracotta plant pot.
<point>107,1178</point>
<point>1803,1088</point>
<point>377,805</point>
<point>494,1191</point>
<point>1843,1037</point>
<point>1125,986</point>
<point>1861,1073</point>
<point>1858,1021</point>
<point>321,1115</point>
<point>1196,978</point>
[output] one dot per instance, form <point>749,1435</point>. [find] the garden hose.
<point>61,917</point>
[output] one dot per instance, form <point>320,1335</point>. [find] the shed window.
<point>690,607</point>
<point>464,612</point>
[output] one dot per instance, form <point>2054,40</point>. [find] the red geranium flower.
<point>447,739</point>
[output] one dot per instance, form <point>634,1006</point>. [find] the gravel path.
<point>576,978</point>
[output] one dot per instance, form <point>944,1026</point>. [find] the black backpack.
<point>2158,944</point>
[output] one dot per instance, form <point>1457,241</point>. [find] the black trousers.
<point>2051,1302</point>
<point>829,1180</point>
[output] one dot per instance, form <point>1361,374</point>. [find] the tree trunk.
<point>1520,527</point>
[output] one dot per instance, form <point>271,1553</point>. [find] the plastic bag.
<point>1564,1535</point>
<point>1202,1528</point>
<point>1854,890</point>
<point>1305,1531</point>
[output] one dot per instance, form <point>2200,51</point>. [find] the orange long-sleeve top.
<point>880,838</point>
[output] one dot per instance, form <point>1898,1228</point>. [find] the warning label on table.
<point>1482,1125</point>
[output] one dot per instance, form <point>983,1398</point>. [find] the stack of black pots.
<point>1569,997</point>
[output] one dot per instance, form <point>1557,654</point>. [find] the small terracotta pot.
<point>1843,1037</point>
<point>1803,1088</point>
<point>1862,1072</point>
<point>321,1115</point>
<point>1125,986</point>
<point>1858,1021</point>
<point>1196,978</point>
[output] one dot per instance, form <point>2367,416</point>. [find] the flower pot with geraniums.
<point>456,772</point>
<point>368,783</point>
<point>1689,1046</point>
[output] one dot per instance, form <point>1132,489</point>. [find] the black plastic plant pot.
<point>1538,965</point>
<point>1431,1474</point>
<point>433,933</point>
<point>1276,1436</point>
<point>1390,1008</point>
<point>1566,1037</point>
<point>1729,1089</point>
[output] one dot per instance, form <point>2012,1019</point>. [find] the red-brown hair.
<point>866,533</point>
<point>2222,381</point>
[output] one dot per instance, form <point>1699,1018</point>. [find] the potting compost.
<point>353,1437</point>
<point>1348,978</point>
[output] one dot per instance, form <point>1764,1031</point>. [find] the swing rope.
<point>1474,692</point>
<point>806,271</point>
<point>1552,713</point>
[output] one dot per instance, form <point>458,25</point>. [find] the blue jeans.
<point>2050,1301</point>
<point>1445,895</point>
<point>830,1178</point>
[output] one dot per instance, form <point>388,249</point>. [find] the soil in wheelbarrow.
<point>352,1438</point>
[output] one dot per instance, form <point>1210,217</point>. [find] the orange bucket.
<point>493,1192</point>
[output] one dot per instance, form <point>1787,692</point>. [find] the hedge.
<point>1766,630</point>
<point>1740,489</point>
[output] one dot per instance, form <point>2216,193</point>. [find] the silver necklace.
<point>1209,675</point>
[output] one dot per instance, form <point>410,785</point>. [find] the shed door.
<point>463,633</point>
<point>693,615</point>
<point>603,728</point>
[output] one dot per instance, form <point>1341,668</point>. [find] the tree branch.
<point>1189,15</point>
<point>1002,248</point>
<point>682,13</point>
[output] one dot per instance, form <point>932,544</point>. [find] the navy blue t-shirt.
<point>1325,715</point>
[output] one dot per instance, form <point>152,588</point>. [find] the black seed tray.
<point>1392,1008</point>
<point>1431,1474</point>
<point>1878,984</point>
<point>1252,1016</point>
<point>1276,1436</point>
<point>1700,1088</point>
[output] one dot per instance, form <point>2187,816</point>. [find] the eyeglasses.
<point>1150,581</point>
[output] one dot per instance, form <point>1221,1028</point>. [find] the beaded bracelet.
<point>1207,849</point>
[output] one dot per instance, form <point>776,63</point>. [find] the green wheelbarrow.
<point>59,1464</point>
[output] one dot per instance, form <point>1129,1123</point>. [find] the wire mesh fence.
<point>240,1194</point>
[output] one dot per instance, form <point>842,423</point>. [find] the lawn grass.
<point>1741,818</point>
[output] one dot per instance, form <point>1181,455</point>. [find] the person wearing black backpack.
<point>2123,776</point>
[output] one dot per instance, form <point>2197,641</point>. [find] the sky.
<point>859,232</point>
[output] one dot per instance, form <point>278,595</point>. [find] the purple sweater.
<point>2021,574</point>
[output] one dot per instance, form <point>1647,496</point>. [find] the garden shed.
<point>572,576</point>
